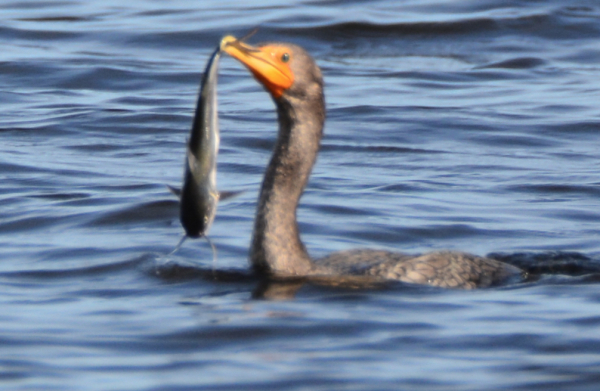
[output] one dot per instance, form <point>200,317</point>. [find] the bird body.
<point>295,83</point>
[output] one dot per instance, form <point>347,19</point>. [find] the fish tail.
<point>178,245</point>
<point>214,261</point>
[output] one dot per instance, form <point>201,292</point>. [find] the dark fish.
<point>199,195</point>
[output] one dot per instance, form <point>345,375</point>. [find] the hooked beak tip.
<point>226,41</point>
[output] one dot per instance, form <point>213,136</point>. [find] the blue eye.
<point>285,57</point>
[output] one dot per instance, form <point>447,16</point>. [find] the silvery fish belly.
<point>199,196</point>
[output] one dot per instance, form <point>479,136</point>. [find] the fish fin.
<point>174,190</point>
<point>225,195</point>
<point>192,160</point>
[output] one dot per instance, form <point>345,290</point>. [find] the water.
<point>468,125</point>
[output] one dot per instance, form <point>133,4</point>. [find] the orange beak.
<point>269,64</point>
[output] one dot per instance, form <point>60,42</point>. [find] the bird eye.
<point>285,57</point>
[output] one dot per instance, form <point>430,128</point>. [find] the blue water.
<point>469,125</point>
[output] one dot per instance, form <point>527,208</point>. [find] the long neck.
<point>276,245</point>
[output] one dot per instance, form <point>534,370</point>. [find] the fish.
<point>199,196</point>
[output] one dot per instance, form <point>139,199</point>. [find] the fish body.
<point>199,196</point>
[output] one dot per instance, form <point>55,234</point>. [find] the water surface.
<point>468,125</point>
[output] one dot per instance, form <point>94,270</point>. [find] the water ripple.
<point>464,125</point>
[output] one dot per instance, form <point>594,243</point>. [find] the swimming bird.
<point>295,84</point>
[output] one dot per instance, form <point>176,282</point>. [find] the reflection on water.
<point>457,125</point>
